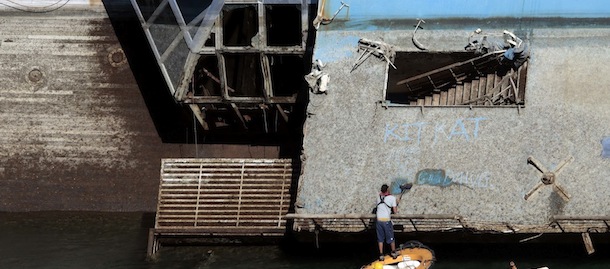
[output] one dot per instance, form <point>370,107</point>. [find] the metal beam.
<point>208,21</point>
<point>215,79</point>
<point>222,72</point>
<point>156,13</point>
<point>200,116</point>
<point>181,23</point>
<point>304,22</point>
<point>240,99</point>
<point>209,16</point>
<point>239,115</point>
<point>266,70</point>
<point>268,50</point>
<point>281,110</point>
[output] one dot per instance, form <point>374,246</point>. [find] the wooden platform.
<point>222,197</point>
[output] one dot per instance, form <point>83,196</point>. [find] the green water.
<point>119,240</point>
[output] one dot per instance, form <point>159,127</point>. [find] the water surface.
<point>69,240</point>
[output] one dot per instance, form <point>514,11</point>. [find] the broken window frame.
<point>209,24</point>
<point>261,49</point>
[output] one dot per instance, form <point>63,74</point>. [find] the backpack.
<point>381,202</point>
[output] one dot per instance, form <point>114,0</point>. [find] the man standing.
<point>386,205</point>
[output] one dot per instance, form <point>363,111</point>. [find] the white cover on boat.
<point>409,264</point>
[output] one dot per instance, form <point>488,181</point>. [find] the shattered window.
<point>240,25</point>
<point>490,72</point>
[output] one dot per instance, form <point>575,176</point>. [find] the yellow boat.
<point>411,255</point>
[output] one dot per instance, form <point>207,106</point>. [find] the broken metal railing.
<point>567,224</point>
<point>585,225</point>
<point>377,48</point>
<point>471,63</point>
<point>362,222</point>
<point>416,42</point>
<point>418,222</point>
<point>321,20</point>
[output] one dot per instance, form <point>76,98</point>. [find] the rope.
<point>35,9</point>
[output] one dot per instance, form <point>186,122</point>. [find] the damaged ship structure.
<point>495,112</point>
<point>479,107</point>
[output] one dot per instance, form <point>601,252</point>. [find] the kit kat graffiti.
<point>463,130</point>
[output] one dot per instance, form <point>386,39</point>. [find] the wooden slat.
<point>468,90</point>
<point>481,90</point>
<point>220,184</point>
<point>497,80</point>
<point>209,207</point>
<point>443,101</point>
<point>198,231</point>
<point>459,92</point>
<point>221,203</point>
<point>187,212</point>
<point>504,84</point>
<point>213,168</point>
<point>436,99</point>
<point>178,196</point>
<point>522,75</point>
<point>219,219</point>
<point>451,96</point>
<point>428,100</point>
<point>489,87</point>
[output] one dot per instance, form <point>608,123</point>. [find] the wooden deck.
<point>222,197</point>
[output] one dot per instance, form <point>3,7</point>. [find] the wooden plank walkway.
<point>222,197</point>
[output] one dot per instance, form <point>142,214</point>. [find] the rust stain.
<point>116,57</point>
<point>322,9</point>
<point>95,2</point>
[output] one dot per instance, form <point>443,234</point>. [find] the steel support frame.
<point>210,20</point>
